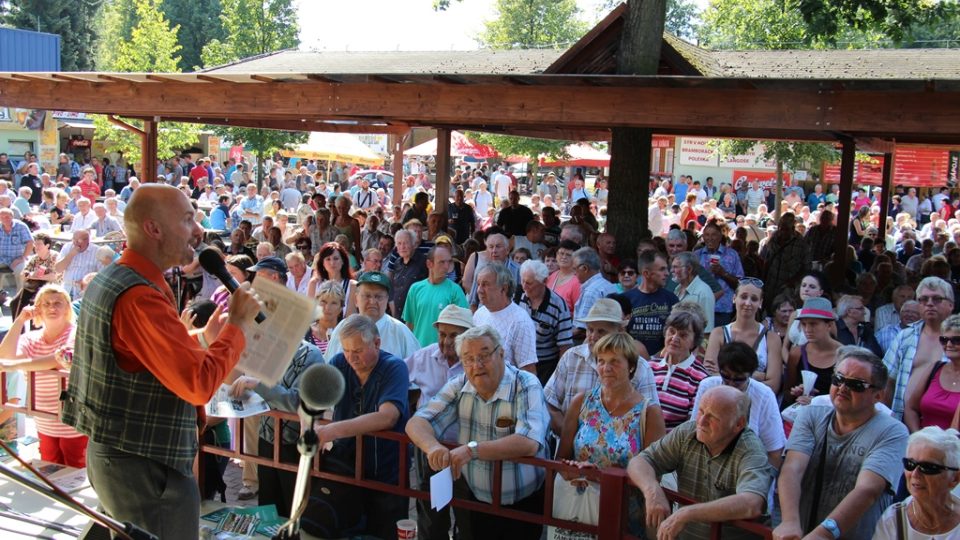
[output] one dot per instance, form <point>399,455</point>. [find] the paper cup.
<point>714,259</point>
<point>406,529</point>
<point>809,379</point>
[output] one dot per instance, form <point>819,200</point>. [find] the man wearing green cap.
<point>373,296</point>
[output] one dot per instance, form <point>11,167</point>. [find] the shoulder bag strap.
<point>933,374</point>
<point>812,522</point>
<point>902,530</point>
<point>760,335</point>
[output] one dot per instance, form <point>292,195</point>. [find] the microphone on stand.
<point>321,387</point>
<point>213,264</point>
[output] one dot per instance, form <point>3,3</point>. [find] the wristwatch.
<point>474,449</point>
<point>831,526</point>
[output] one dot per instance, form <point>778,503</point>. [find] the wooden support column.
<point>885,193</point>
<point>847,158</point>
<point>442,183</point>
<point>399,141</point>
<point>148,152</point>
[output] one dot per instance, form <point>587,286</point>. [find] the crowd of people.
<point>717,360</point>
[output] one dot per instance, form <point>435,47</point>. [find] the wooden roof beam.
<point>325,78</point>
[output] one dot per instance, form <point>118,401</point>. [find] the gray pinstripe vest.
<point>132,412</point>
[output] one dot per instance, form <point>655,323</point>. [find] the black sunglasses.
<point>855,385</point>
<point>952,340</point>
<point>927,468</point>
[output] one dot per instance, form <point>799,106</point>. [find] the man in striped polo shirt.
<point>550,316</point>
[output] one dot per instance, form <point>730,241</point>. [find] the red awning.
<point>460,146</point>
<point>913,167</point>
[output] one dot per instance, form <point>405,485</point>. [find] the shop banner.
<point>696,151</point>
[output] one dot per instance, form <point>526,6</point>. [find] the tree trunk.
<point>639,54</point>
<point>260,155</point>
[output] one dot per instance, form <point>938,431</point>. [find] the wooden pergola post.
<point>398,143</point>
<point>442,185</point>
<point>886,186</point>
<point>148,152</point>
<point>847,157</point>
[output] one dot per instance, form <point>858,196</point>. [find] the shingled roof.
<point>483,61</point>
<point>841,64</point>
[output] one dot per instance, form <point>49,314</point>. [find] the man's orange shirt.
<point>147,334</point>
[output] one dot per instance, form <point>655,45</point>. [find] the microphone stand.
<point>307,445</point>
<point>125,530</point>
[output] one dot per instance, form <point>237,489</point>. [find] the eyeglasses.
<point>483,358</point>
<point>855,385</point>
<point>752,281</point>
<point>927,468</point>
<point>628,272</point>
<point>936,300</point>
<point>733,381</point>
<point>374,297</point>
<point>952,340</point>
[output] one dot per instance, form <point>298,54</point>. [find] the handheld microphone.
<point>213,264</point>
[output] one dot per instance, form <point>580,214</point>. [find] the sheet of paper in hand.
<point>222,405</point>
<point>271,344</point>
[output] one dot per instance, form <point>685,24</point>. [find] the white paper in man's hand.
<point>441,489</point>
<point>271,344</point>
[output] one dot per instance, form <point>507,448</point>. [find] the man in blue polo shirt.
<point>375,400</point>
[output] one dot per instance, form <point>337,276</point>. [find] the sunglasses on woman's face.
<point>952,340</point>
<point>926,468</point>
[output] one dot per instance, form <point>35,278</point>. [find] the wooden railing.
<point>614,483</point>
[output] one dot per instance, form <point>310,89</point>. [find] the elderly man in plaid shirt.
<point>501,415</point>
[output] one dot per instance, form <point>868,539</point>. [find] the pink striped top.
<point>48,383</point>
<point>677,387</point>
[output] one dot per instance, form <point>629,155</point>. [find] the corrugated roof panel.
<point>22,50</point>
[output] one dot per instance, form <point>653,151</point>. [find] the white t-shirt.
<point>502,185</point>
<point>517,333</point>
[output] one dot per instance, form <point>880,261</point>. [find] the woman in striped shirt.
<point>42,350</point>
<point>677,369</point>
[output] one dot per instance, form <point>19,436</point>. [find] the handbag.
<point>573,503</point>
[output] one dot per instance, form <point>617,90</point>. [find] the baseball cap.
<point>375,278</point>
<point>456,316</point>
<point>270,263</point>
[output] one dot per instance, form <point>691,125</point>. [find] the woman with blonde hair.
<point>606,426</point>
<point>330,301</point>
<point>43,351</point>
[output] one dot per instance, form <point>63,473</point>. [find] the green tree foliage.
<point>527,24</point>
<point>828,19</point>
<point>254,27</point>
<point>199,22</point>
<point>73,20</point>
<point>152,47</point>
<point>804,24</point>
<point>752,24</point>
